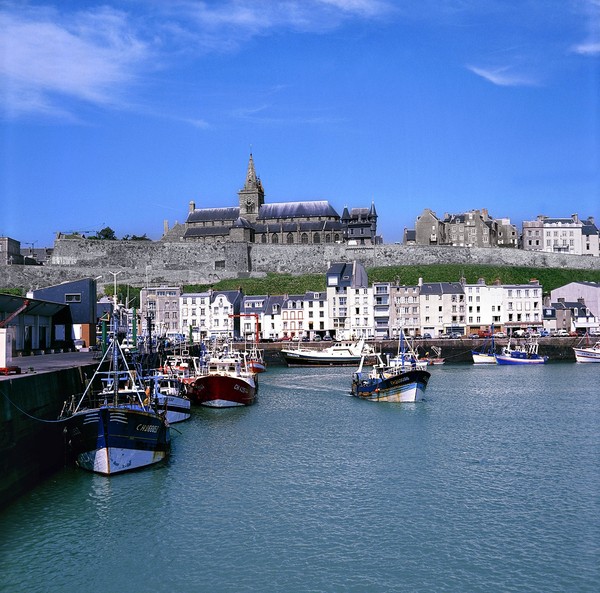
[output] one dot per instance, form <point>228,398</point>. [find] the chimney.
<point>192,206</point>
<point>575,217</point>
<point>420,281</point>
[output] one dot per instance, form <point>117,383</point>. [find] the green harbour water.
<point>492,484</point>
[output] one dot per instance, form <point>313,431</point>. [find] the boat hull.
<point>482,358</point>
<point>587,354</point>
<point>223,391</point>
<point>507,359</point>
<point>178,408</point>
<point>255,366</point>
<point>295,358</point>
<point>112,440</point>
<point>401,388</point>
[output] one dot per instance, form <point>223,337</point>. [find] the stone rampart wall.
<point>179,263</point>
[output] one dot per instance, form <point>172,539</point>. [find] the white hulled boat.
<point>338,354</point>
<point>587,353</point>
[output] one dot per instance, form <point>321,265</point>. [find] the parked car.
<point>325,338</point>
<point>499,335</point>
<point>79,344</point>
<point>562,333</point>
<point>544,333</point>
<point>456,335</point>
<point>427,336</point>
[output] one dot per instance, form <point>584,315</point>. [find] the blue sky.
<point>120,113</point>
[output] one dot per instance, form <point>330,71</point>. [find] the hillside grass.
<point>549,278</point>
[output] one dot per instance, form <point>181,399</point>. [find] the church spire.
<point>252,195</point>
<point>251,180</point>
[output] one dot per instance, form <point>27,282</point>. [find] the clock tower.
<point>252,195</point>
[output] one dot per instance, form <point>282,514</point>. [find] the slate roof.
<point>588,228</point>
<point>442,288</point>
<point>292,227</point>
<point>297,210</point>
<point>210,214</point>
<point>206,231</point>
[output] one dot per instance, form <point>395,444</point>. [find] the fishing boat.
<point>406,358</point>
<point>255,360</point>
<point>338,354</point>
<point>521,354</point>
<point>112,430</point>
<point>487,353</point>
<point>168,393</point>
<point>225,382</point>
<point>587,353</point>
<point>389,384</point>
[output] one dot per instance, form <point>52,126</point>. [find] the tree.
<point>106,234</point>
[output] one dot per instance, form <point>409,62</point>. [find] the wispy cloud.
<point>53,59</point>
<point>504,76</point>
<point>47,59</point>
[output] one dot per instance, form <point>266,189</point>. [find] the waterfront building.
<point>159,309</point>
<point>442,308</point>
<point>405,311</point>
<point>31,324</point>
<point>522,306</point>
<point>483,306</point>
<point>383,319</point>
<point>292,316</point>
<point>316,322</point>
<point>81,298</point>
<point>224,321</point>
<point>571,316</point>
<point>350,301</point>
<point>289,223</point>
<point>195,314</point>
<point>573,291</point>
<point>561,235</point>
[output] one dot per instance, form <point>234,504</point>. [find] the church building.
<point>302,223</point>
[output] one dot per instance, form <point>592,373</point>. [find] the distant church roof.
<point>206,214</point>
<point>206,231</point>
<point>297,210</point>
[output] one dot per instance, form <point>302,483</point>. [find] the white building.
<point>561,235</point>
<point>483,306</point>
<point>442,308</point>
<point>522,306</point>
<point>195,314</point>
<point>350,301</point>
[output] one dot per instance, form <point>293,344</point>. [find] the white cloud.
<point>503,76</point>
<point>587,49</point>
<point>47,59</point>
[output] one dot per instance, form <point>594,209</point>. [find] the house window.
<point>73,298</point>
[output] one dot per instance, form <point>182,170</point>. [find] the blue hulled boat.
<point>113,430</point>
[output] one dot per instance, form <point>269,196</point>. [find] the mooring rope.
<point>29,415</point>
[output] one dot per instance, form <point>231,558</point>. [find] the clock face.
<point>249,201</point>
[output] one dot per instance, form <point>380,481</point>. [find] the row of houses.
<point>477,228</point>
<point>350,307</point>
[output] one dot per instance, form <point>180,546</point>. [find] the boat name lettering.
<point>147,427</point>
<point>240,388</point>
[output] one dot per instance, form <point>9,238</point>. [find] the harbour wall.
<point>179,263</point>
<point>31,441</point>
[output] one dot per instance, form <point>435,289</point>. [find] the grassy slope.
<point>549,278</point>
